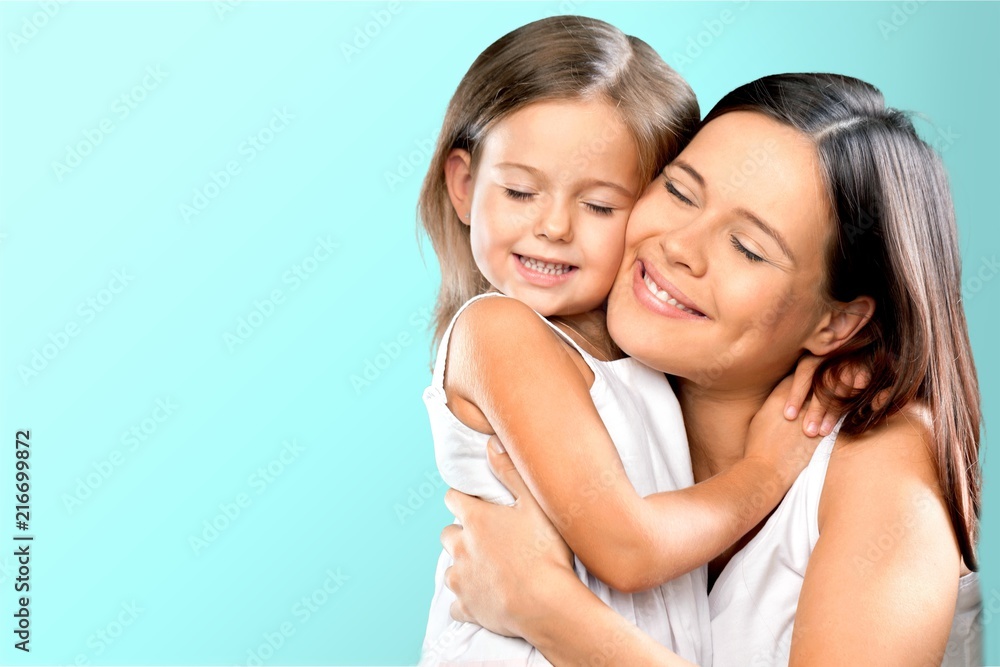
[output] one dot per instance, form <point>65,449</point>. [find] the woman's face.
<point>724,266</point>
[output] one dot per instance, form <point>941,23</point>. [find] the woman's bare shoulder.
<point>885,470</point>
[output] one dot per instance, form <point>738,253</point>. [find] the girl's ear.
<point>458,177</point>
<point>840,324</point>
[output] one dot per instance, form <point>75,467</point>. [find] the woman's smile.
<point>669,300</point>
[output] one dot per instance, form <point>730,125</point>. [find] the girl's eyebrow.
<point>596,182</point>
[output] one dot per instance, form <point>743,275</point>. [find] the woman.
<point>805,216</point>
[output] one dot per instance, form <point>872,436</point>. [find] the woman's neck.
<point>717,422</point>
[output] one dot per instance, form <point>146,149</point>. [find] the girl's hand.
<point>507,560</point>
<point>820,418</point>
<point>782,444</point>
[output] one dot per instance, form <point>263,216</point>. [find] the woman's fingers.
<point>503,467</point>
<point>451,538</point>
<point>460,504</point>
<point>459,612</point>
<point>801,385</point>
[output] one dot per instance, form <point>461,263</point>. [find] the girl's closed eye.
<point>518,194</point>
<point>742,249</point>
<point>599,209</point>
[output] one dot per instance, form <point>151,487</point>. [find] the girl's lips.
<point>537,277</point>
<point>655,304</point>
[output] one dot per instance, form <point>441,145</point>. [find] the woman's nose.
<point>684,247</point>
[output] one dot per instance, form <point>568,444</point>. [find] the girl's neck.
<point>717,422</point>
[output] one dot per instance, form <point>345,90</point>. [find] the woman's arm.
<point>509,365</point>
<point>530,590</point>
<point>883,579</point>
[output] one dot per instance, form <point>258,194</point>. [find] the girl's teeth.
<point>663,296</point>
<point>547,268</point>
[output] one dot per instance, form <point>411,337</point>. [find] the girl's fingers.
<point>801,385</point>
<point>826,426</point>
<point>813,420</point>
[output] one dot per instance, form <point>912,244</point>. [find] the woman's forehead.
<point>748,161</point>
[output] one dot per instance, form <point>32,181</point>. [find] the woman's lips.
<point>658,295</point>
<point>542,272</point>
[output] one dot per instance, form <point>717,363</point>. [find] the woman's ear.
<point>458,178</point>
<point>840,324</point>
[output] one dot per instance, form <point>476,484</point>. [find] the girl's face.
<point>548,202</point>
<point>722,280</point>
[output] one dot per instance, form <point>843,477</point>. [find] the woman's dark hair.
<point>895,240</point>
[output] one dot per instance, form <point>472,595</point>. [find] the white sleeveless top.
<point>753,602</point>
<point>643,417</point>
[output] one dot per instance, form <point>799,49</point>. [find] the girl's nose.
<point>555,223</point>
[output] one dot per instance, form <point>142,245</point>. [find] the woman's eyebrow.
<point>767,229</point>
<point>690,170</point>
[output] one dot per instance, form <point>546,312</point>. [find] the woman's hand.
<point>513,575</point>
<point>506,558</point>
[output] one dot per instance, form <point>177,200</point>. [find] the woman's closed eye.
<point>672,189</point>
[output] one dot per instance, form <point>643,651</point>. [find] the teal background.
<point>334,505</point>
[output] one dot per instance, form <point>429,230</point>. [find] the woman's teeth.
<point>663,296</point>
<point>545,267</point>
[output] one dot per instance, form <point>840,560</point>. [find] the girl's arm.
<point>883,579</point>
<point>530,590</point>
<point>880,588</point>
<point>507,364</point>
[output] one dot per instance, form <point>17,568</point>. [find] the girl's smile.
<point>548,197</point>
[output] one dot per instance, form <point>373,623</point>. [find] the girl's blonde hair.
<point>557,58</point>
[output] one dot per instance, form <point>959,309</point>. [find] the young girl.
<point>549,139</point>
